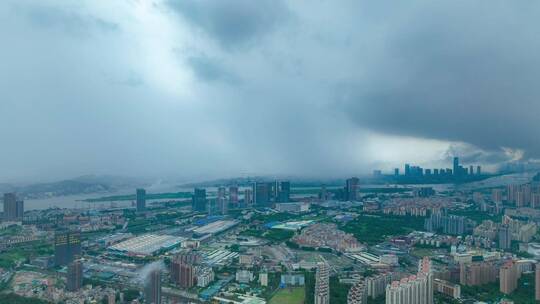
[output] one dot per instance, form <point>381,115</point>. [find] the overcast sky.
<point>234,87</point>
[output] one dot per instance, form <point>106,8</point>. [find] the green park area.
<point>294,295</point>
<point>16,299</point>
<point>274,235</point>
<point>11,256</point>
<point>375,228</point>
<point>524,294</point>
<point>476,215</point>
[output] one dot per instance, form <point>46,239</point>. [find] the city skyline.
<point>269,152</point>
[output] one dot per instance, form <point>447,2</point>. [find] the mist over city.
<point>269,151</point>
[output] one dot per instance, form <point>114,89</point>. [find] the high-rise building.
<point>413,289</point>
<point>537,282</point>
<point>233,196</point>
<point>497,195</point>
<point>152,290</point>
<point>535,200</point>
<point>262,193</point>
<point>505,237</point>
<point>213,206</point>
<point>141,200</point>
<point>222,193</point>
<point>456,167</point>
<point>407,169</point>
<point>223,206</point>
<point>396,172</point>
<point>358,293</point>
<point>322,284</point>
<point>520,199</point>
<point>284,192</point>
<point>511,193</point>
<point>186,276</point>
<point>424,269</point>
<point>9,205</point>
<point>74,278</point>
<point>111,298</point>
<point>477,273</point>
<point>508,277</point>
<point>222,202</point>
<point>67,245</point>
<point>351,189</point>
<point>376,285</point>
<point>248,197</point>
<point>450,224</point>
<point>13,208</point>
<point>478,170</point>
<point>198,202</point>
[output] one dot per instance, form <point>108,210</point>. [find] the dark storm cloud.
<point>458,71</point>
<point>233,23</point>
<point>472,155</point>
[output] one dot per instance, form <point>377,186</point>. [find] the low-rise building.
<point>244,276</point>
<point>447,288</point>
<point>205,276</point>
<point>292,279</point>
<point>263,278</point>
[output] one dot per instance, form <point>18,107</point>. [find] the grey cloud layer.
<point>280,86</point>
<point>455,71</point>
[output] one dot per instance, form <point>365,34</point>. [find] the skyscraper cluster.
<point>450,224</point>
<point>456,172</point>
<point>261,194</point>
<point>267,193</point>
<point>183,269</point>
<point>526,195</point>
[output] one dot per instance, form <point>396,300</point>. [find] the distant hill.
<point>79,185</point>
